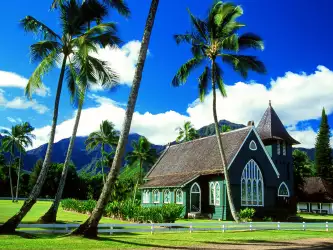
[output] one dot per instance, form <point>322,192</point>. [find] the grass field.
<point>140,240</point>
<point>165,240</point>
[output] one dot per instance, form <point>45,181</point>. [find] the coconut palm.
<point>72,49</point>
<point>15,141</point>
<point>142,153</point>
<point>105,136</point>
<point>187,133</point>
<point>89,227</point>
<point>225,128</point>
<point>214,40</point>
<point>86,8</point>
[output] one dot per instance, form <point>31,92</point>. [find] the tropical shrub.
<point>126,210</point>
<point>247,214</point>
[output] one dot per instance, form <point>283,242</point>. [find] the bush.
<point>267,219</point>
<point>126,210</point>
<point>247,214</point>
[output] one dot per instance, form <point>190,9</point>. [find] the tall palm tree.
<point>142,153</point>
<point>73,50</point>
<point>89,227</point>
<point>15,141</point>
<point>212,39</point>
<point>87,6</point>
<point>106,136</point>
<point>187,133</point>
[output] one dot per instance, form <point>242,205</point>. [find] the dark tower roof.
<point>270,127</point>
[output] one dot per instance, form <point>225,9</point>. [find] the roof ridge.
<point>202,138</point>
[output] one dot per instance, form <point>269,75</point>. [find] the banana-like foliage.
<point>187,133</point>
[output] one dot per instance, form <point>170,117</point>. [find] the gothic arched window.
<point>252,185</point>
<point>283,190</point>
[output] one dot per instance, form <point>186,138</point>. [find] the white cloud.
<point>295,97</point>
<point>11,119</point>
<point>13,80</point>
<point>122,60</point>
<point>22,103</point>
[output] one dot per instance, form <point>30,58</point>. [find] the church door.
<point>195,198</point>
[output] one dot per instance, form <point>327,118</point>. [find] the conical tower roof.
<point>270,127</point>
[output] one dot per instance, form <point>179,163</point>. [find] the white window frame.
<point>253,146</point>
<point>284,146</point>
<point>166,193</point>
<point>181,195</point>
<point>146,196</point>
<point>158,193</point>
<point>195,184</point>
<point>283,184</point>
<point>252,173</point>
<point>278,148</point>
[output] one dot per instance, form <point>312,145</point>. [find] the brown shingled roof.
<point>184,161</point>
<point>271,127</point>
<point>315,189</point>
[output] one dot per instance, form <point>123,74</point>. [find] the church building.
<point>259,163</point>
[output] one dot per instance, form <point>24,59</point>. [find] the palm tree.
<point>51,215</point>
<point>142,153</point>
<point>212,39</point>
<point>89,227</point>
<point>72,49</point>
<point>15,141</point>
<point>187,133</point>
<point>106,136</point>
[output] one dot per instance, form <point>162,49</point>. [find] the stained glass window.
<point>156,195</point>
<point>211,193</point>
<point>167,196</point>
<point>179,196</point>
<point>217,194</point>
<point>283,190</point>
<point>252,189</point>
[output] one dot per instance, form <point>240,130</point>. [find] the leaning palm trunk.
<point>222,153</point>
<point>89,227</point>
<point>138,181</point>
<point>11,224</point>
<point>51,215</point>
<point>18,177</point>
<point>10,177</point>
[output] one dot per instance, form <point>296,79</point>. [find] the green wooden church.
<point>259,163</point>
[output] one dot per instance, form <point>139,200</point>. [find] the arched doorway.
<point>195,198</point>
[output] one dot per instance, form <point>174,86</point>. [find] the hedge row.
<point>126,210</point>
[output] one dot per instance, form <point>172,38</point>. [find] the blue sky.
<point>297,39</point>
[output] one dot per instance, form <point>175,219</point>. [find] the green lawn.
<point>166,240</point>
<point>316,217</point>
<point>7,209</point>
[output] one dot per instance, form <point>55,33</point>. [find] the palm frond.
<point>200,26</point>
<point>42,49</point>
<point>120,6</point>
<point>230,43</point>
<point>31,24</point>
<point>250,40</point>
<point>104,34</point>
<point>219,80</point>
<point>35,81</point>
<point>244,63</point>
<point>185,70</point>
<point>203,83</point>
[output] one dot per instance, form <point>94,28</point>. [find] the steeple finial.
<point>270,103</point>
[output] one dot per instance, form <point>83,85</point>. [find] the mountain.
<point>80,157</point>
<point>210,129</point>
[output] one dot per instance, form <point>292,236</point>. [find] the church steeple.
<point>270,127</point>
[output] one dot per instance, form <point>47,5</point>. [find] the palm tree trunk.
<point>10,176</point>
<point>89,227</point>
<point>18,176</point>
<point>11,224</point>
<point>51,215</point>
<point>102,155</point>
<point>222,153</point>
<point>137,182</point>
